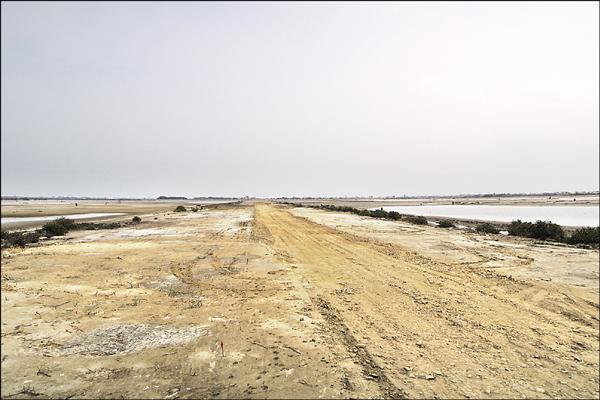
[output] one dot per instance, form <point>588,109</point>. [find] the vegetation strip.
<point>542,230</point>
<point>58,227</point>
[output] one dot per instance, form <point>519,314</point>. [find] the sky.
<point>299,99</point>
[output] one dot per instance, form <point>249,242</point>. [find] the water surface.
<point>562,215</point>
<point>15,220</point>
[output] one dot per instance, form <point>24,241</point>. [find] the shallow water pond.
<point>7,221</point>
<point>562,215</point>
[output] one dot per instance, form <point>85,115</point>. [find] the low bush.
<point>446,223</point>
<point>379,214</point>
<point>585,236</point>
<point>416,219</point>
<point>67,223</point>
<point>32,237</point>
<point>19,238</point>
<point>195,209</point>
<point>136,220</point>
<point>487,228</point>
<point>180,209</point>
<point>56,228</point>
<point>543,230</point>
<point>395,215</point>
<point>93,226</point>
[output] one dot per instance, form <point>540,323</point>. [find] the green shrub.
<point>180,209</point>
<point>487,228</point>
<point>379,214</point>
<point>67,223</point>
<point>547,230</point>
<point>585,236</point>
<point>416,219</point>
<point>195,209</point>
<point>540,230</point>
<point>519,228</point>
<point>446,223</point>
<point>395,215</point>
<point>58,227</point>
<point>93,226</point>
<point>32,237</point>
<point>136,220</point>
<point>55,228</point>
<point>19,238</point>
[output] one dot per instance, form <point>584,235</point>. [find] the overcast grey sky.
<point>281,99</point>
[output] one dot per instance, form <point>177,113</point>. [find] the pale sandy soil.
<point>518,257</point>
<point>307,303</point>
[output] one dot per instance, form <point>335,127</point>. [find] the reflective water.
<point>562,215</point>
<point>12,220</point>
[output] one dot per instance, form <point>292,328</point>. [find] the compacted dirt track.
<point>304,310</point>
<point>430,329</point>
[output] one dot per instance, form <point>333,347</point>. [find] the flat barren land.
<point>259,300</point>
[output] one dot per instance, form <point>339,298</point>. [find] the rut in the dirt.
<point>371,369</point>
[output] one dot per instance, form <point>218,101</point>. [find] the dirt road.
<point>436,330</point>
<point>304,310</point>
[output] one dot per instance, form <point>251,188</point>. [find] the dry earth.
<point>307,304</point>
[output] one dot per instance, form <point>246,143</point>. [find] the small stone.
<point>430,377</point>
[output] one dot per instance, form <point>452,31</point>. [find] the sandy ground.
<point>307,304</point>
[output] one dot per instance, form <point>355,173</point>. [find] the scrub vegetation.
<point>542,230</point>
<point>58,227</point>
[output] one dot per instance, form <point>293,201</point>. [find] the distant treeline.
<point>542,230</point>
